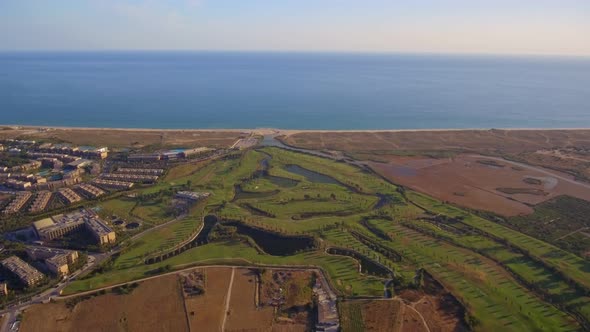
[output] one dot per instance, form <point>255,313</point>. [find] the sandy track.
<point>227,299</point>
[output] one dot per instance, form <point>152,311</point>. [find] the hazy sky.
<point>456,26</point>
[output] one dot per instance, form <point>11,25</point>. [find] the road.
<point>538,169</point>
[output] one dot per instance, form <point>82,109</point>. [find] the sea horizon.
<point>285,130</point>
<point>187,89</point>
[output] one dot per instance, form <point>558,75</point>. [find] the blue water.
<point>280,90</point>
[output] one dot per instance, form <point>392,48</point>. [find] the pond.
<point>132,225</point>
<point>273,243</point>
<point>310,175</point>
<point>276,180</point>
<point>209,223</point>
<point>282,182</point>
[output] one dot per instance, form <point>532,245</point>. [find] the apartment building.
<point>56,260</point>
<point>90,190</point>
<point>69,195</point>
<point>137,178</point>
<point>110,184</point>
<point>18,202</point>
<point>18,184</point>
<point>147,171</point>
<point>40,202</point>
<point>27,274</point>
<point>101,231</point>
<point>63,224</point>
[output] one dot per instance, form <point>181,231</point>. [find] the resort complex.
<point>303,238</point>
<point>60,225</point>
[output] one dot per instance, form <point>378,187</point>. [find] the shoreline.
<point>279,130</point>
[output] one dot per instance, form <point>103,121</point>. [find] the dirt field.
<point>433,306</point>
<point>479,183</point>
<point>290,292</point>
<point>205,312</point>
<point>156,305</point>
<point>437,313</point>
<point>128,137</point>
<point>382,315</point>
<point>243,314</point>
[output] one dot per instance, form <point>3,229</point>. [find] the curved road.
<point>538,169</point>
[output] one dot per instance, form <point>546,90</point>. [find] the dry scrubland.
<point>566,150</point>
<point>488,141</point>
<point>156,305</point>
<point>136,138</point>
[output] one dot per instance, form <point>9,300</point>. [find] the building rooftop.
<point>98,226</point>
<point>43,223</point>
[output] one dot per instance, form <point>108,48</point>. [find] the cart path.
<point>227,298</point>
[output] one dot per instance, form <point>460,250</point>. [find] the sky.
<point>559,27</point>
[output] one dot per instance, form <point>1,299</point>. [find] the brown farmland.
<point>205,312</point>
<point>480,183</point>
<point>381,315</point>
<point>243,313</point>
<point>156,305</point>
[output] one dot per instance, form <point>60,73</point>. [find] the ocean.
<point>292,90</point>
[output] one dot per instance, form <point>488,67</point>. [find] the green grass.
<point>158,240</point>
<point>121,207</point>
<point>531,272</point>
<point>569,264</point>
<point>342,270</point>
<point>260,185</point>
<point>496,300</point>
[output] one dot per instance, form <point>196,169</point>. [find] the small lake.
<point>272,243</point>
<point>209,223</point>
<point>281,182</point>
<point>310,175</point>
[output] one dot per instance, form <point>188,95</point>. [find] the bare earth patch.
<point>205,312</point>
<point>156,305</point>
<point>243,314</point>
